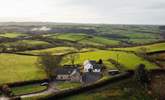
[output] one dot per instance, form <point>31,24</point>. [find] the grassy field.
<point>54,51</point>
<point>71,37</point>
<point>28,89</point>
<point>129,60</point>
<point>16,68</point>
<point>12,35</point>
<point>26,42</point>
<point>149,48</point>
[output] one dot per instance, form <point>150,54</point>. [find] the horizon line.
<point>97,23</point>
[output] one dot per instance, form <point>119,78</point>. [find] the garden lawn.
<point>12,35</point>
<point>129,60</point>
<point>149,48</point>
<point>28,89</point>
<point>67,85</point>
<point>18,68</point>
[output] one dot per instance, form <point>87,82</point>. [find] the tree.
<point>3,48</point>
<point>6,90</point>
<point>49,62</point>
<point>143,51</point>
<point>100,61</point>
<point>72,57</point>
<point>141,75</point>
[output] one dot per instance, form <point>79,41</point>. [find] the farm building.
<point>92,66</point>
<point>68,73</point>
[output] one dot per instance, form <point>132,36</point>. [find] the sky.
<point>84,11</point>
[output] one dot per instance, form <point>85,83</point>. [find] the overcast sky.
<point>84,11</point>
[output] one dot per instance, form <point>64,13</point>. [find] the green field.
<point>28,89</point>
<point>148,48</point>
<point>71,37</point>
<point>96,40</point>
<point>12,35</point>
<point>17,68</point>
<point>129,60</point>
<point>54,51</point>
<point>26,42</point>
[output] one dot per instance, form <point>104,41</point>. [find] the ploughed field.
<point>20,50</point>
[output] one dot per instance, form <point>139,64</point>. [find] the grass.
<point>12,35</point>
<point>54,51</point>
<point>67,85</point>
<point>28,89</point>
<point>149,48</point>
<point>129,60</point>
<point>17,68</point>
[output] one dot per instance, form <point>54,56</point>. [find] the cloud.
<point>89,11</point>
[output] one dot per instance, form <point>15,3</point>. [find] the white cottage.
<point>92,66</point>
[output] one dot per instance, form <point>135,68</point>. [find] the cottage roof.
<point>65,70</point>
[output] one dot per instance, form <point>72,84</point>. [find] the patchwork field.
<point>24,68</point>
<point>94,39</point>
<point>17,68</point>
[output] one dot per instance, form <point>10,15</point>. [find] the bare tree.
<point>49,62</point>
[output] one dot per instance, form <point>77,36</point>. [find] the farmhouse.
<point>90,77</point>
<point>92,66</point>
<point>68,73</point>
